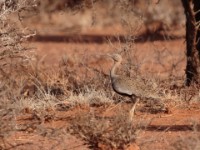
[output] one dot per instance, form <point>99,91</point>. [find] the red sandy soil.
<point>160,132</point>
<point>163,129</point>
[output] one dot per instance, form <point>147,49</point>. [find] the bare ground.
<point>156,57</point>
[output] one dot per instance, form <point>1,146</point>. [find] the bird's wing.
<point>122,86</point>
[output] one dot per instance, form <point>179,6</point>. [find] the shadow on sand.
<point>100,39</point>
<point>161,128</point>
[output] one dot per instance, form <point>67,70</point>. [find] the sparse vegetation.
<point>54,78</point>
<point>191,142</point>
<point>113,133</point>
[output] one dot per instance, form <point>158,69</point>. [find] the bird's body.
<point>135,88</point>
<point>123,85</point>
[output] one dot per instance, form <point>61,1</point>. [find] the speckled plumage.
<point>125,85</point>
<point>121,84</point>
<point>135,88</point>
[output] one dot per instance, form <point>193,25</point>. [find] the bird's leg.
<point>132,111</point>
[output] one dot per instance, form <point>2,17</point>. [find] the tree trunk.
<point>193,41</point>
<point>197,17</point>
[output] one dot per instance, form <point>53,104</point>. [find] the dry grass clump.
<point>191,142</point>
<point>90,97</point>
<point>114,133</point>
<point>40,88</point>
<point>7,125</point>
<point>175,91</point>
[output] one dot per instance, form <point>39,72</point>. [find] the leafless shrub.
<point>13,52</point>
<point>153,16</point>
<point>13,55</point>
<point>116,132</point>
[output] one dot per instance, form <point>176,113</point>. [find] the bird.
<point>135,88</point>
<point>124,85</point>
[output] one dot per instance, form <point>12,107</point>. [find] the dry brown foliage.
<point>116,132</point>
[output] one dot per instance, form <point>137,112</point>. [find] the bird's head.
<point>116,57</point>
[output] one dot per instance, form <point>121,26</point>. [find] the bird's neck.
<point>113,69</point>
